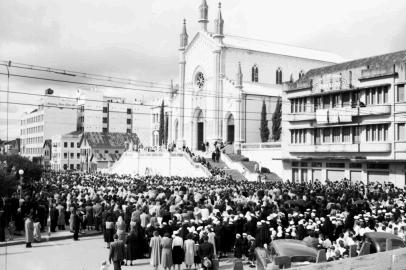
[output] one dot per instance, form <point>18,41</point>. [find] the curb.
<point>46,239</point>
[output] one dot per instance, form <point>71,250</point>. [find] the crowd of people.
<point>174,220</point>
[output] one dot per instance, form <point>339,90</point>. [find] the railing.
<point>340,147</point>
<point>262,146</point>
<point>193,163</point>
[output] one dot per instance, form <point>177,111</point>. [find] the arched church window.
<point>199,80</point>
<point>254,74</point>
<point>279,76</point>
<point>301,74</point>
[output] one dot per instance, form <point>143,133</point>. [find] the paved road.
<point>85,254</point>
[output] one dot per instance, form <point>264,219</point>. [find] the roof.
<point>260,89</point>
<point>109,140</point>
<point>76,132</point>
<point>291,248</point>
<point>383,60</point>
<point>375,235</point>
<point>48,142</point>
<point>110,157</point>
<point>279,48</point>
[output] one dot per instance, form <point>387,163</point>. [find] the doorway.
<point>200,131</point>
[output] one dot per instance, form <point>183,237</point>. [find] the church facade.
<point>224,81</point>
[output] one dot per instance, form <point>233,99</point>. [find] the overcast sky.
<point>139,39</point>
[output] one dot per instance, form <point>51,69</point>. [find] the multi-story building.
<point>47,154</point>
<point>10,147</point>
<point>66,152</point>
<point>53,116</point>
<point>99,113</point>
<point>347,121</point>
<point>99,150</point>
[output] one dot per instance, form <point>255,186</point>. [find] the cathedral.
<point>224,81</point>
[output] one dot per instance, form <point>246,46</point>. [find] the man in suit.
<point>76,225</point>
<point>117,252</point>
<point>206,250</point>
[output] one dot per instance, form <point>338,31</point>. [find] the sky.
<point>138,39</point>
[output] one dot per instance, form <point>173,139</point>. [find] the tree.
<point>264,124</point>
<point>166,129</point>
<point>162,125</point>
<point>276,121</point>
<point>8,183</point>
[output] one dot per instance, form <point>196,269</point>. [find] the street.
<point>86,254</point>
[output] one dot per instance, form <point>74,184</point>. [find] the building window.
<point>65,166</point>
<point>128,121</point>
<point>106,151</point>
<point>65,155</point>
<point>298,136</point>
<point>72,155</point>
<point>336,100</point>
<point>401,132</point>
<point>254,73</point>
<point>116,151</point>
<point>77,166</point>
<point>355,134</point>
<point>128,130</point>
<point>346,99</point>
<point>78,145</point>
<point>346,134</point>
<point>104,119</point>
<point>104,130</point>
<point>105,109</point>
<point>72,166</point>
<point>128,111</point>
<point>401,93</point>
<point>326,102</point>
<point>65,144</point>
<point>72,145</point>
<point>336,135</point>
<point>279,76</point>
<point>78,155</point>
<point>301,74</point>
<point>326,135</point>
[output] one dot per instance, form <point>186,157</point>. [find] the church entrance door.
<point>200,130</point>
<point>230,134</point>
<point>230,129</point>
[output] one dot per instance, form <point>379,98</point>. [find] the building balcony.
<point>305,116</point>
<point>373,110</point>
<point>341,148</point>
<point>400,147</point>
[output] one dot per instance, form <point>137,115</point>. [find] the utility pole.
<point>8,90</point>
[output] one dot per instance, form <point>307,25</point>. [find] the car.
<point>291,253</point>
<point>378,241</point>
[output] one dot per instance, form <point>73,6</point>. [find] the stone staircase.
<point>236,175</point>
<point>251,165</point>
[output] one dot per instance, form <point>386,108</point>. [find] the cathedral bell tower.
<point>203,12</point>
<point>182,65</point>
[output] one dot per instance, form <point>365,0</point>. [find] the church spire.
<point>183,36</point>
<point>218,24</point>
<point>239,78</point>
<point>203,12</point>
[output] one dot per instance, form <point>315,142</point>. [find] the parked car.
<point>291,253</point>
<point>378,241</point>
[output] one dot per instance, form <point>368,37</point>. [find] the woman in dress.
<point>120,227</point>
<point>131,247</point>
<point>190,251</point>
<point>109,231</point>
<point>155,245</point>
<point>166,258</point>
<point>177,250</point>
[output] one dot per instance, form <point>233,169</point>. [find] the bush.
<point>8,183</point>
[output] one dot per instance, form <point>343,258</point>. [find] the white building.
<point>100,113</point>
<point>347,121</point>
<point>224,79</point>
<point>66,152</point>
<point>54,116</point>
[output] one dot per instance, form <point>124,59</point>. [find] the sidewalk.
<point>59,235</point>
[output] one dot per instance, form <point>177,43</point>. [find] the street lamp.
<point>20,186</point>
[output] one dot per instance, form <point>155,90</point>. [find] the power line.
<point>344,109</point>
